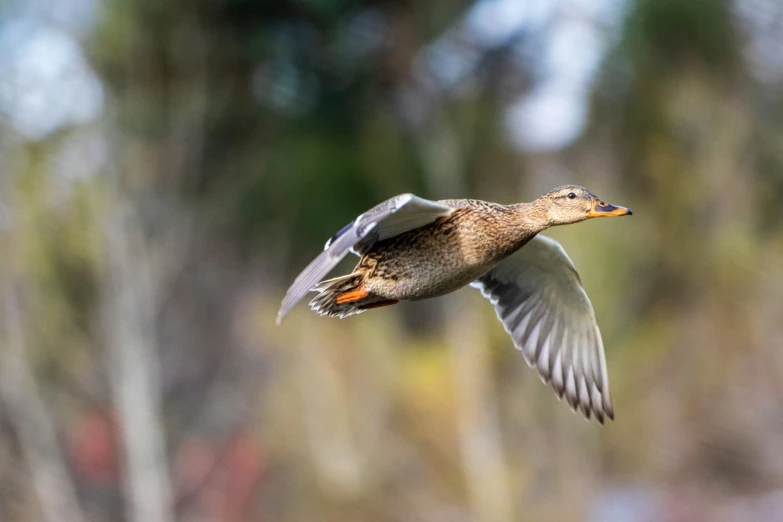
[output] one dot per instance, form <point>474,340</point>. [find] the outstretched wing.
<point>539,298</point>
<point>388,219</point>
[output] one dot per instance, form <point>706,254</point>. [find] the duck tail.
<point>340,297</point>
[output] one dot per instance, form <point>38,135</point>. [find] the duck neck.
<point>525,221</point>
<point>530,218</point>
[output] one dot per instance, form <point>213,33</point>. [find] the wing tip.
<point>601,415</point>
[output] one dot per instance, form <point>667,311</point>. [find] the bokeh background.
<point>168,166</point>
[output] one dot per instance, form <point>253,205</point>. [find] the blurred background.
<point>167,167</point>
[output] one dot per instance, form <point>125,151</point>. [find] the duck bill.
<point>602,209</point>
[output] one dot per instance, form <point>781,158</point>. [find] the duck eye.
<point>571,195</point>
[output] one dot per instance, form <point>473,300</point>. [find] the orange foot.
<point>352,296</point>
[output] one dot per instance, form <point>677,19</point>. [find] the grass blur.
<point>169,167</point>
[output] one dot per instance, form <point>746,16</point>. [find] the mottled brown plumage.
<point>445,255</point>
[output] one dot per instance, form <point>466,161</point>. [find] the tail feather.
<point>326,302</point>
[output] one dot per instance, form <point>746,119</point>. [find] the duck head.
<point>572,203</point>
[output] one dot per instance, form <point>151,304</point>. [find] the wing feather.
<point>538,296</point>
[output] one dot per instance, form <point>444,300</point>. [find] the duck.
<point>411,248</point>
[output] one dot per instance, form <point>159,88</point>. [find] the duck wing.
<point>388,219</point>
<point>539,298</point>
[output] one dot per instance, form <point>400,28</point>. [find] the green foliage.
<point>665,35</point>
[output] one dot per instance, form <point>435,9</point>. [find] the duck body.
<point>443,256</point>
